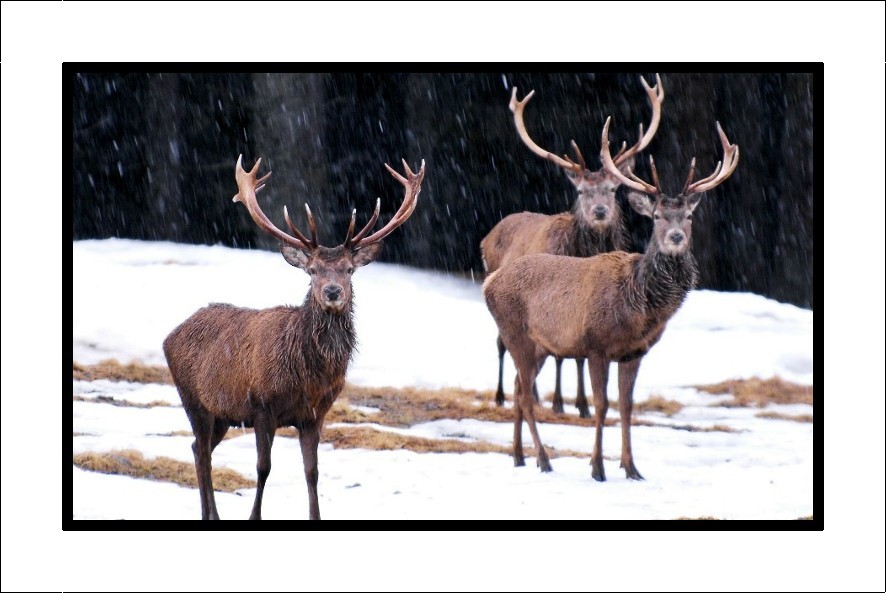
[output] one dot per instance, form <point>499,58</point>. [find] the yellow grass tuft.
<point>114,370</point>
<point>780,416</point>
<point>123,403</point>
<point>656,403</point>
<point>697,519</point>
<point>759,392</point>
<point>163,469</point>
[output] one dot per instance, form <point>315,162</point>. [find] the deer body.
<point>611,307</point>
<point>219,347</point>
<point>594,225</point>
<point>282,366</point>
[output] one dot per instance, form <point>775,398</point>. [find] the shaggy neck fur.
<point>331,339</point>
<point>589,241</point>
<point>661,282</point>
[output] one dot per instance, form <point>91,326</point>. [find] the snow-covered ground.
<point>128,295</point>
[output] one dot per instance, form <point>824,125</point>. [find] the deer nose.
<point>600,211</point>
<point>677,237</point>
<point>332,292</point>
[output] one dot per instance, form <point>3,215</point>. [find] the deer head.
<point>672,216</point>
<point>596,189</point>
<point>330,268</point>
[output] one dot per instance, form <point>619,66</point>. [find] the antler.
<point>632,182</point>
<point>517,108</point>
<point>412,183</point>
<point>722,171</point>
<point>248,186</point>
<point>656,97</point>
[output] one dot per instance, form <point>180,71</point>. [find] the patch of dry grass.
<point>114,370</point>
<point>780,416</point>
<point>123,403</point>
<point>407,406</point>
<point>656,403</point>
<point>163,469</point>
<point>694,428</point>
<point>697,519</point>
<point>759,392</point>
<point>362,437</point>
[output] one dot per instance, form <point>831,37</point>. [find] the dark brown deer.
<point>283,366</point>
<point>594,225</point>
<point>612,307</point>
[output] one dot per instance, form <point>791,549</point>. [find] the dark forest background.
<point>154,156</point>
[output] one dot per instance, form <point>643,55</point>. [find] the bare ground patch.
<point>758,393</point>
<point>114,370</point>
<point>163,469</point>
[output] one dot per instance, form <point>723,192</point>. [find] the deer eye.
<point>657,217</point>
<point>312,271</point>
<point>350,270</point>
<point>688,217</point>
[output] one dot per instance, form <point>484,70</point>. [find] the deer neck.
<point>330,336</point>
<point>588,240</point>
<point>661,282</point>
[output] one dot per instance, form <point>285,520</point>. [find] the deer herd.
<point>558,285</point>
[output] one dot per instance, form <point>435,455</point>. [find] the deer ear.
<point>367,254</point>
<point>575,178</point>
<point>627,164</point>
<point>294,257</point>
<point>641,203</point>
<point>692,201</point>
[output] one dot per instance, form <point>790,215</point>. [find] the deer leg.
<point>527,379</point>
<point>627,376</point>
<point>219,429</point>
<point>538,365</point>
<point>599,369</point>
<point>558,395</point>
<point>264,438</point>
<point>500,394</point>
<point>309,438</point>
<point>201,425</point>
<point>581,402</point>
<point>518,424</point>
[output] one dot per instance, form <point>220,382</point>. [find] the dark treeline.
<point>154,155</point>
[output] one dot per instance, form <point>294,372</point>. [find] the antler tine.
<point>412,183</point>
<point>656,98</point>
<point>351,226</point>
<point>517,107</point>
<point>654,172</point>
<point>356,240</point>
<point>691,175</point>
<point>633,181</point>
<point>723,170</point>
<point>581,159</point>
<point>248,185</point>
<point>310,243</point>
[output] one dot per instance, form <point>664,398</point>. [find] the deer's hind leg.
<point>203,425</point>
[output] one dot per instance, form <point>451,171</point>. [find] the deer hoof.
<point>597,471</point>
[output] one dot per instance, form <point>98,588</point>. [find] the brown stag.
<point>282,366</point>
<point>594,225</point>
<point>612,307</point>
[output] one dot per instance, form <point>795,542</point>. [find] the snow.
<point>426,329</point>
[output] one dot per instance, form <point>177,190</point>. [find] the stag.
<point>612,307</point>
<point>282,366</point>
<point>594,225</point>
